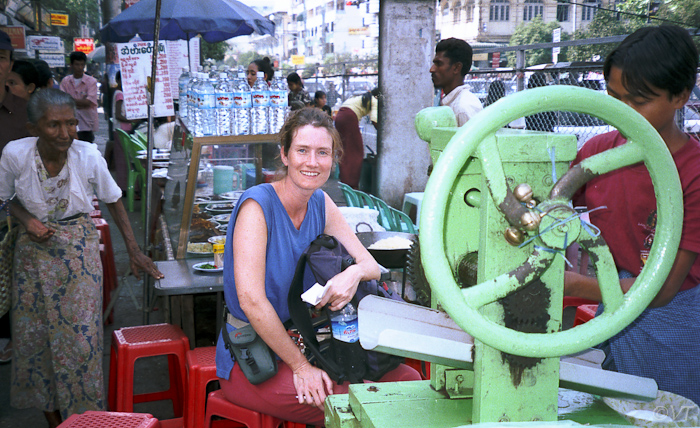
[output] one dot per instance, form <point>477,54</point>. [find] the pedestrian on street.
<point>83,88</point>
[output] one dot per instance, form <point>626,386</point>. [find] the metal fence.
<point>491,85</point>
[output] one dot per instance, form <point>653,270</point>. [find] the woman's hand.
<point>341,289</point>
<point>138,262</point>
<point>38,231</point>
<point>313,385</point>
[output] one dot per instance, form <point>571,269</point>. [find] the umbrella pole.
<point>149,166</point>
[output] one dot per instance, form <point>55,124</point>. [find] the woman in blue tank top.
<point>269,229</point>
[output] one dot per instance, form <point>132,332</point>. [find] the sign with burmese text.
<point>177,53</point>
<point>135,64</point>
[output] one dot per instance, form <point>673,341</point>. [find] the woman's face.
<point>310,157</point>
<point>321,101</point>
<point>252,73</point>
<point>56,129</point>
<point>17,87</point>
<point>294,86</point>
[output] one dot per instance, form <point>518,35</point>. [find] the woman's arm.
<point>578,285</point>
<point>249,249</point>
<point>138,260</point>
<point>344,285</point>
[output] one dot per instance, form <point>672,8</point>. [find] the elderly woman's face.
<point>56,129</point>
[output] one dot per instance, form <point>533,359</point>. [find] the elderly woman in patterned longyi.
<point>57,289</point>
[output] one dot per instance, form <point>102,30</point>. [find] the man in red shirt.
<point>653,71</point>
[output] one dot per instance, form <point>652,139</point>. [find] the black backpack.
<point>343,361</point>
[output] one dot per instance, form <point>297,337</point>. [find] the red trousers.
<point>348,126</point>
<point>277,395</point>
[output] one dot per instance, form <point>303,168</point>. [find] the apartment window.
<point>455,14</point>
<point>532,9</point>
<point>469,11</point>
<point>445,9</point>
<point>340,5</point>
<point>499,10</point>
<point>563,11</point>
<point>589,9</point>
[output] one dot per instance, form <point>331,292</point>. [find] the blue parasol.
<point>215,20</point>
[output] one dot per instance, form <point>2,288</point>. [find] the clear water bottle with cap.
<point>278,104</point>
<point>196,107</point>
<point>261,106</point>
<point>344,324</point>
<point>182,93</point>
<point>208,106</point>
<point>191,100</point>
<point>241,104</point>
<point>224,104</point>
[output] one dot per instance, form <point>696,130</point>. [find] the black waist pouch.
<point>257,361</point>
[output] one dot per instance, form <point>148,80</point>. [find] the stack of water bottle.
<point>214,104</point>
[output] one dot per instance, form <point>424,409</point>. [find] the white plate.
<point>218,239</point>
<point>200,254</point>
<point>220,208</point>
<point>198,267</point>
<point>234,194</point>
<point>222,218</point>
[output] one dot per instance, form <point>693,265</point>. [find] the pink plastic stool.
<point>131,343</point>
<point>218,405</point>
<point>92,419</point>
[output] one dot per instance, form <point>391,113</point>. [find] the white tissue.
<point>314,294</point>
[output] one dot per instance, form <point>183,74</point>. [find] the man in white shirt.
<point>453,60</point>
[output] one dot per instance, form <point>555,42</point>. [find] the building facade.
<point>315,28</point>
<point>496,20</point>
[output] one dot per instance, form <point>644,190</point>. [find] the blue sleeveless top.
<point>285,244</point>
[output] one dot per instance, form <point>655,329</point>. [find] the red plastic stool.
<point>422,367</point>
<point>585,313</point>
<point>218,405</point>
<point>96,214</point>
<point>201,369</point>
<point>92,419</point>
<point>131,343</point>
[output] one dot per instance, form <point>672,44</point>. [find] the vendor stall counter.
<point>206,175</point>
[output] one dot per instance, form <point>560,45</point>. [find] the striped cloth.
<point>662,344</point>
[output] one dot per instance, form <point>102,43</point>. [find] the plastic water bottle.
<point>278,104</point>
<point>182,90</point>
<point>344,325</point>
<point>224,105</point>
<point>207,97</point>
<point>261,106</point>
<point>192,107</point>
<point>242,104</point>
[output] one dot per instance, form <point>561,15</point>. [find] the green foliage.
<point>682,12</point>
<point>245,58</point>
<point>536,31</point>
<point>215,51</point>
<point>604,24</point>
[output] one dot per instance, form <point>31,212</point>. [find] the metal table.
<point>181,283</point>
